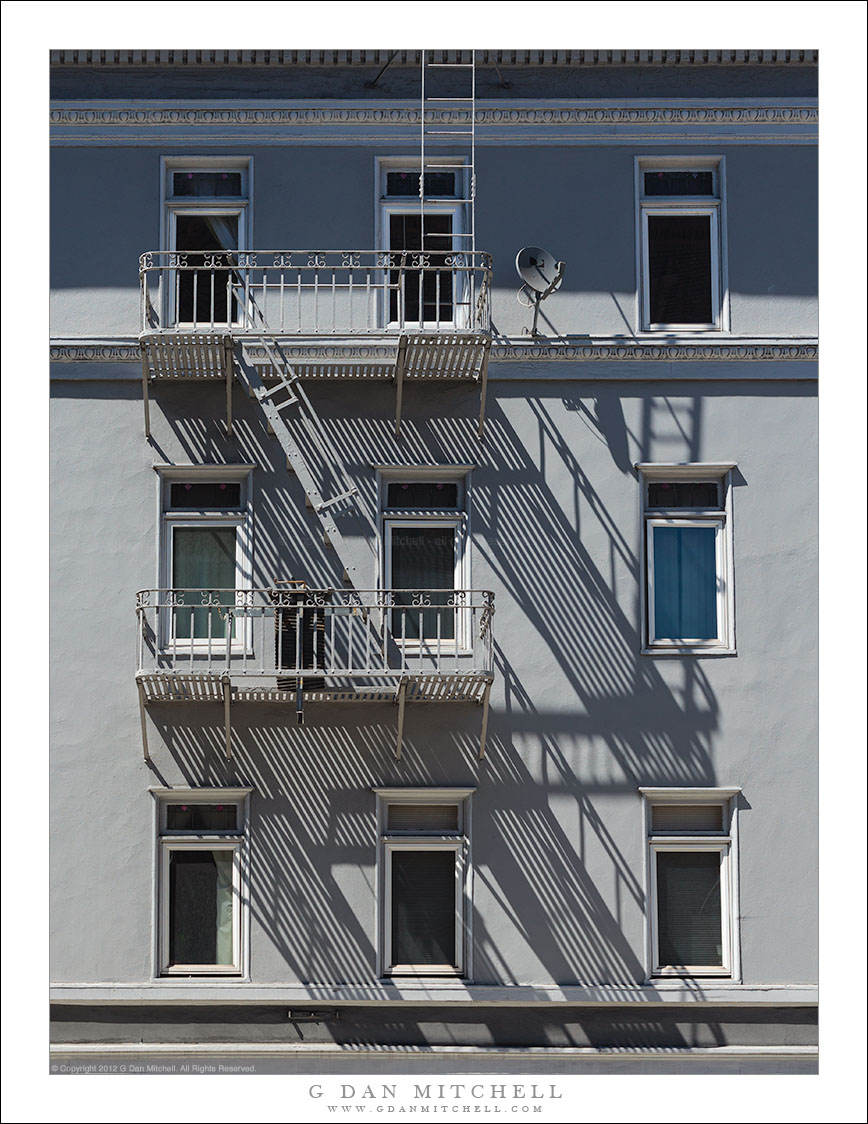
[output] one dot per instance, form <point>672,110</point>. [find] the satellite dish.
<point>538,269</point>
<point>541,275</point>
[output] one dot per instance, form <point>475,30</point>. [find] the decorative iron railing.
<point>305,636</point>
<point>315,292</point>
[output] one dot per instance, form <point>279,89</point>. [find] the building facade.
<point>444,639</point>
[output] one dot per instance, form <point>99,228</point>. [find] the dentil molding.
<point>520,351</point>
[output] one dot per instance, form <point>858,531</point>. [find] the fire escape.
<point>234,315</point>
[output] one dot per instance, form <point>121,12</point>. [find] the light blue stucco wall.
<point>580,719</point>
<point>577,202</point>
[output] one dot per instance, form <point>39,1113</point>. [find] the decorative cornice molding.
<point>716,114</point>
<point>569,352</point>
<point>508,351</point>
<point>73,352</point>
<point>332,59</point>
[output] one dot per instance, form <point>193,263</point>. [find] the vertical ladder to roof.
<point>457,131</point>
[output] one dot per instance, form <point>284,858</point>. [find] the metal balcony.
<point>299,646</point>
<point>193,300</point>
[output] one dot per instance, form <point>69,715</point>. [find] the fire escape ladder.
<point>448,118</point>
<point>285,395</point>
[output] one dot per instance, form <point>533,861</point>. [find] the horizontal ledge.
<point>684,468</point>
<point>378,348</point>
<point>690,793</point>
<point>312,1050</point>
<point>686,993</point>
<point>392,114</point>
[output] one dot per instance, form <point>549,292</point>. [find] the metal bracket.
<point>483,386</point>
<point>143,718</point>
<point>401,699</point>
<point>484,731</point>
<point>229,365</point>
<point>400,364</point>
<point>227,715</point>
<point>145,372</point>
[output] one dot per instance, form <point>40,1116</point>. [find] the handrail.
<point>327,292</point>
<point>310,634</point>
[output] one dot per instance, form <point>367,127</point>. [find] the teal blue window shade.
<point>423,907</point>
<point>200,907</point>
<point>423,558</point>
<point>203,558</point>
<point>685,583</point>
<point>689,909</point>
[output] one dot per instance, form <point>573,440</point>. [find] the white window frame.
<point>713,206</point>
<point>392,519</point>
<point>720,519</point>
<point>725,843</point>
<point>239,206</point>
<point>168,841</point>
<point>387,206</point>
<point>242,522</point>
<point>459,843</point>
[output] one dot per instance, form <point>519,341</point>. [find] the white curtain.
<point>224,861</point>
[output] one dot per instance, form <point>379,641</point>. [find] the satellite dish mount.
<point>541,275</point>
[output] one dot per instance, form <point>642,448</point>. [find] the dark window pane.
<point>419,494</point>
<point>683,493</point>
<point>204,295</point>
<point>423,907</point>
<point>206,183</point>
<point>688,908</point>
<point>407,183</point>
<point>210,494</point>
<point>685,583</point>
<point>679,269</point>
<point>415,294</point>
<point>423,558</point>
<point>686,817</point>
<point>679,183</point>
<point>201,817</point>
<point>423,817</point>
<point>200,907</point>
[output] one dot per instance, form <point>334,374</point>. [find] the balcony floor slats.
<point>186,688</point>
<point>185,355</point>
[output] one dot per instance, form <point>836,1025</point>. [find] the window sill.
<point>204,974</point>
<point>689,650</point>
<point>683,330</point>
<point>424,978</point>
<point>676,976</point>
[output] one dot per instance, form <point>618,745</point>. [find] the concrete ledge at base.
<point>185,992</point>
<point>216,1059</point>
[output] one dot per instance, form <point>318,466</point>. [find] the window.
<point>687,533</point>
<point>680,239</point>
<point>203,861</point>
<point>432,296</point>
<point>207,214</point>
<point>424,552</point>
<point>424,881</point>
<point>206,551</point>
<point>692,885</point>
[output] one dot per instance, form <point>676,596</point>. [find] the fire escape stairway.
<point>355,552</point>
